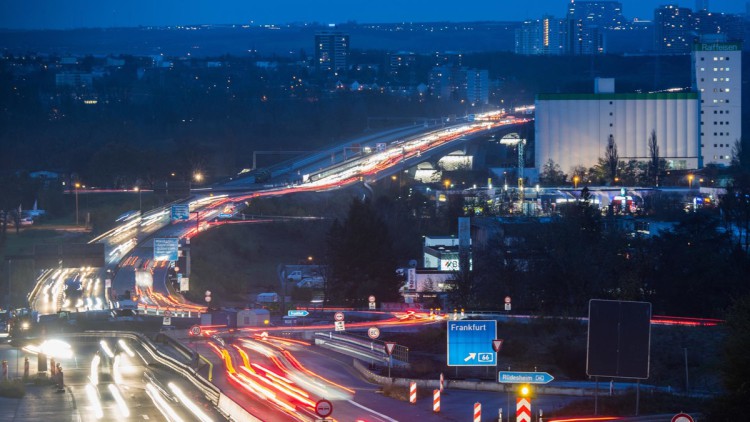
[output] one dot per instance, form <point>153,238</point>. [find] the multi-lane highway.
<point>129,246</point>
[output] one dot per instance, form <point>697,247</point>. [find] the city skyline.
<point>41,14</point>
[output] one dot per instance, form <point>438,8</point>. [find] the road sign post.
<point>389,346</point>
<point>470,343</point>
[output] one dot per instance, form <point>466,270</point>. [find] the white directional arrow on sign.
<point>470,357</point>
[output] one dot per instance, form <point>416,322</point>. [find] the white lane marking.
<point>372,411</point>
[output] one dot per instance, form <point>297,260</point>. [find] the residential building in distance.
<point>574,129</point>
<point>477,86</point>
<point>717,77</point>
<point>539,37</point>
<point>674,29</point>
<point>331,50</point>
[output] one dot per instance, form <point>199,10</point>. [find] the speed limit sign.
<point>373,332</point>
<point>338,316</point>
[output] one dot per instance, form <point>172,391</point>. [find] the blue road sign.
<point>166,248</point>
<point>180,212</point>
<point>296,312</point>
<point>514,377</point>
<point>470,343</point>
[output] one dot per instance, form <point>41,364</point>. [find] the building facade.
<point>539,37</point>
<point>674,29</point>
<point>573,129</point>
<point>717,77</point>
<point>331,50</point>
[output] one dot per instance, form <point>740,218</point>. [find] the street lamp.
<point>198,177</point>
<point>447,183</point>
<point>690,180</point>
<point>575,182</point>
<point>140,203</point>
<point>76,186</point>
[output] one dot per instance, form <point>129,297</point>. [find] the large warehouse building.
<point>573,129</point>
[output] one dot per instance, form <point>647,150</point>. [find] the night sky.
<point>59,14</point>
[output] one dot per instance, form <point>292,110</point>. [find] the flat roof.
<point>620,96</point>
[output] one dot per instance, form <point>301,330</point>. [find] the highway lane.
<point>114,382</point>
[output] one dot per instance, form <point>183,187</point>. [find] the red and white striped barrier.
<point>442,381</point>
<point>436,401</point>
<point>523,410</point>
<point>477,412</point>
<point>413,392</point>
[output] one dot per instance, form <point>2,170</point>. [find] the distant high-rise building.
<point>539,37</point>
<point>331,50</point>
<point>732,26</point>
<point>585,25</point>
<point>674,29</point>
<point>441,82</point>
<point>717,77</point>
<point>477,86</point>
<point>604,14</point>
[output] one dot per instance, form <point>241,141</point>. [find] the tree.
<point>653,164</point>
<point>552,175</point>
<point>360,254</point>
<point>736,364</point>
<point>611,158</point>
<point>739,155</point>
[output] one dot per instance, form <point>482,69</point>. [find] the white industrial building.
<point>573,129</point>
<point>717,76</point>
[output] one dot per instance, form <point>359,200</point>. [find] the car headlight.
<point>25,325</point>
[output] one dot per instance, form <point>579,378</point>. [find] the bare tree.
<point>611,158</point>
<point>653,166</point>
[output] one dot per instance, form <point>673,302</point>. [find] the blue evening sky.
<point>63,14</point>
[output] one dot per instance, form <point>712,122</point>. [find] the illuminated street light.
<point>198,177</point>
<point>77,186</point>
<point>575,182</point>
<point>690,180</point>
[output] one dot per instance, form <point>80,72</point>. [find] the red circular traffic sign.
<point>323,408</point>
<point>682,417</point>
<point>167,313</point>
<point>507,299</point>
<point>208,298</point>
<point>371,298</point>
<point>373,332</point>
<point>338,316</point>
<point>195,330</point>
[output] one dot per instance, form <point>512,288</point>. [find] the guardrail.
<point>361,348</point>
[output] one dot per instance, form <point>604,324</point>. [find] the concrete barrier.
<point>234,411</point>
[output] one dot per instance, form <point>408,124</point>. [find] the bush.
<point>13,389</point>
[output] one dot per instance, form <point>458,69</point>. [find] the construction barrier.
<point>442,382</point>
<point>413,392</point>
<point>523,409</point>
<point>477,412</point>
<point>436,401</point>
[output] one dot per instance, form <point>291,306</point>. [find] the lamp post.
<point>76,186</point>
<point>140,203</point>
<point>690,180</point>
<point>575,182</point>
